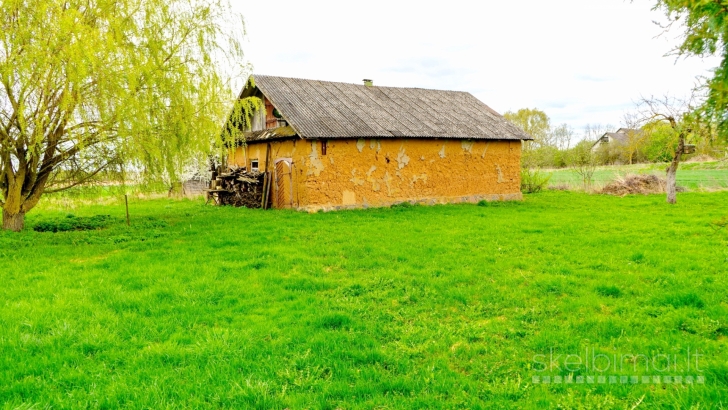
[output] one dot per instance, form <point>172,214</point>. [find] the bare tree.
<point>682,118</point>
<point>592,132</point>
<point>561,137</point>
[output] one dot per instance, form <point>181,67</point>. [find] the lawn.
<point>457,306</point>
<point>691,175</point>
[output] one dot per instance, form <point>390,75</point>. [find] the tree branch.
<point>81,181</point>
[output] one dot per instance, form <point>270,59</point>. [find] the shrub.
<point>74,223</point>
<point>583,162</point>
<point>533,180</point>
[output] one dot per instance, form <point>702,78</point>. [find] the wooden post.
<point>266,187</point>
<point>262,196</point>
<point>126,202</point>
<point>267,195</point>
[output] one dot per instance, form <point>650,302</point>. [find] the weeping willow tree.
<point>92,87</point>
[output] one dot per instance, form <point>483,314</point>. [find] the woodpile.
<point>239,187</point>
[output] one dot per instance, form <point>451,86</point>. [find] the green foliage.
<point>545,157</point>
<point>437,307</point>
<point>531,120</point>
<point>74,223</point>
<point>705,24</point>
<point>654,142</point>
<point>533,180</point>
<point>661,142</point>
<point>608,154</point>
<point>240,120</point>
<point>549,144</point>
<point>583,162</point>
<point>92,90</point>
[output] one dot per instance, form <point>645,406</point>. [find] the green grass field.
<point>691,175</point>
<point>455,306</point>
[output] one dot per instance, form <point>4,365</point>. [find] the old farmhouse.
<point>330,145</point>
<point>619,138</point>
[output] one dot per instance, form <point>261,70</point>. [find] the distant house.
<point>621,137</point>
<point>330,145</point>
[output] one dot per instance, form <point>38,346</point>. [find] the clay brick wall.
<point>381,172</point>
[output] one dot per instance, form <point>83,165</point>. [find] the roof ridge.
<point>356,84</point>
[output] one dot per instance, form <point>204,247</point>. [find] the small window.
<point>254,165</point>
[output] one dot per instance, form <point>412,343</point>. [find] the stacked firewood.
<point>238,187</point>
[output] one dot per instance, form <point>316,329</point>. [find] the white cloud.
<point>581,61</point>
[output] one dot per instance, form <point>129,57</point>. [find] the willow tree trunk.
<point>13,212</point>
<point>13,181</point>
<point>671,187</point>
<point>13,221</point>
<point>19,199</point>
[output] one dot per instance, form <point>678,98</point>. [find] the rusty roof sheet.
<point>324,109</point>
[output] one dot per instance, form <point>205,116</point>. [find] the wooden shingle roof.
<point>323,109</point>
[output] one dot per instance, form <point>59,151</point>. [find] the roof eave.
<point>429,137</point>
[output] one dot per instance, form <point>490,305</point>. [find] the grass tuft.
<point>637,257</point>
<point>609,291</point>
<point>334,321</point>
<point>679,300</point>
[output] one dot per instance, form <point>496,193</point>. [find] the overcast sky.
<point>580,61</point>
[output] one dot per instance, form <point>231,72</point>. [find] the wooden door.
<point>283,183</point>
